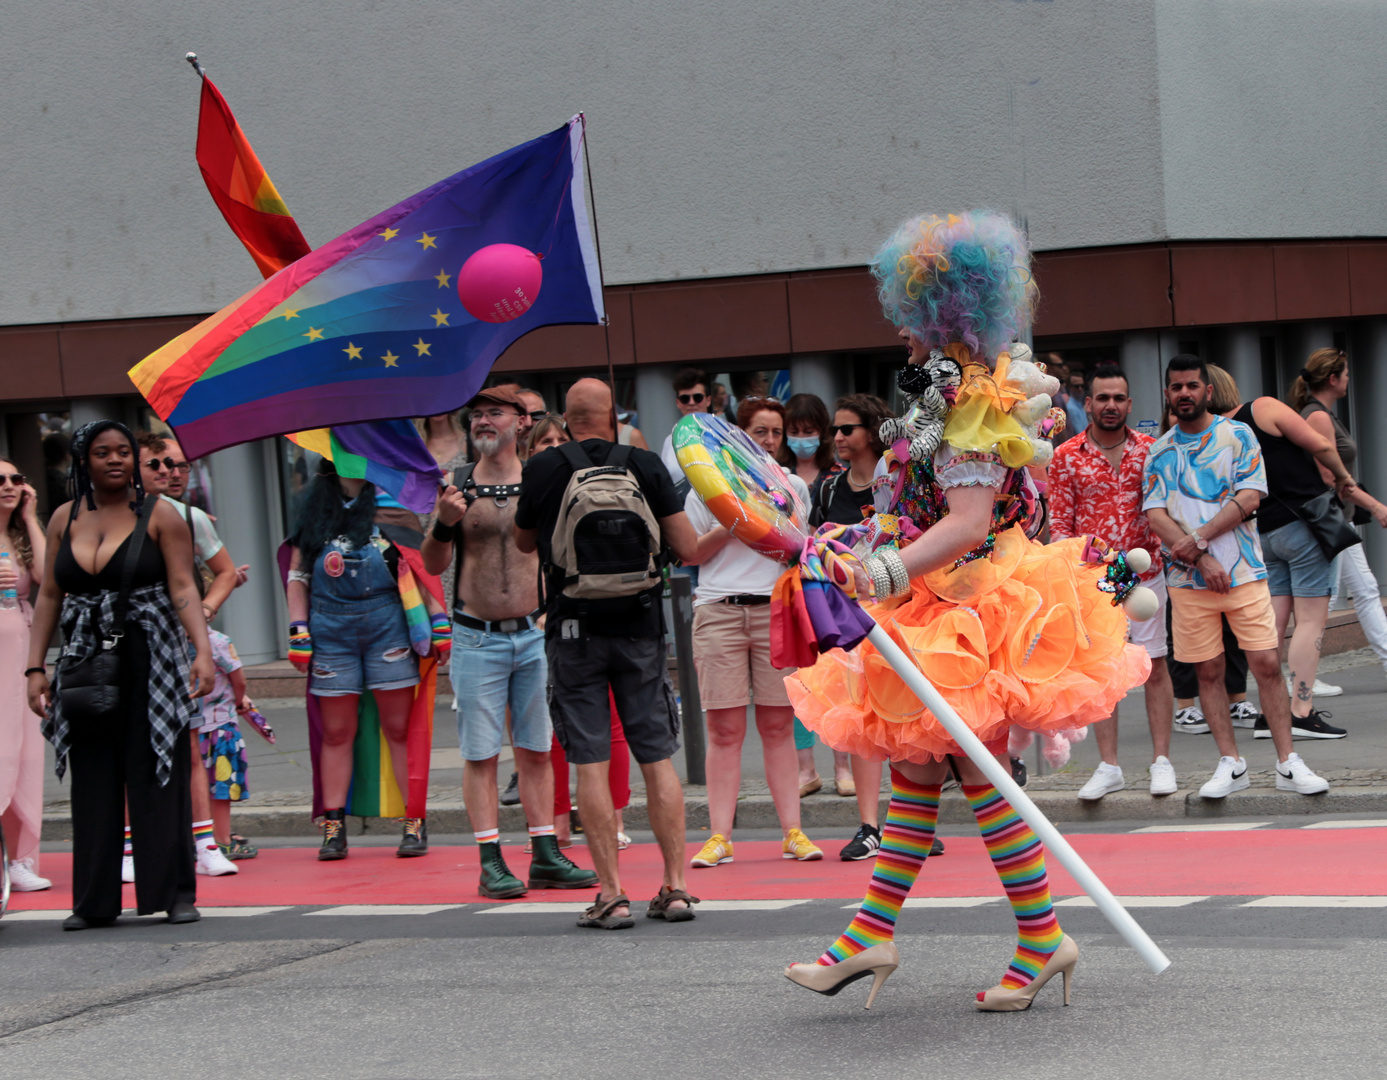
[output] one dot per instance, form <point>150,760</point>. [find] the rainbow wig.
<point>964,278</point>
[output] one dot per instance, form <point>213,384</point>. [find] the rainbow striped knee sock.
<point>905,841</point>
<point>1018,856</point>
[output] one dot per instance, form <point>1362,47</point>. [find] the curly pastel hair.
<point>961,278</point>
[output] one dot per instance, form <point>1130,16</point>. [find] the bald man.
<point>611,645</point>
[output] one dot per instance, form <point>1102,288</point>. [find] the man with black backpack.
<point>498,649</point>
<point>601,515</point>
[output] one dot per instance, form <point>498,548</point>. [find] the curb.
<point>758,812</point>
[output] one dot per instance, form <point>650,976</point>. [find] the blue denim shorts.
<point>1295,564</point>
<point>360,645</point>
<point>491,671</point>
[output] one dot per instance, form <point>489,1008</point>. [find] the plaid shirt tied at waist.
<point>86,620</point>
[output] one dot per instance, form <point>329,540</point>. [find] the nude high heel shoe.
<point>878,961</point>
<point>1061,961</point>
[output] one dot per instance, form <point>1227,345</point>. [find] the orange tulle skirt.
<point>1021,637</point>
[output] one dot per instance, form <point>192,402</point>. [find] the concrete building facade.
<point>1194,174</point>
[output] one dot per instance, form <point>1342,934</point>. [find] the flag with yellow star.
<point>371,325</point>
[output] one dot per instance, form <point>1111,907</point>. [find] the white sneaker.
<point>23,878</point>
<point>1320,689</point>
<point>1105,779</point>
<point>1163,777</point>
<point>1191,721</point>
<point>1294,775</point>
<point>1230,776</point>
<point>213,863</point>
<point>127,869</point>
<point>1243,714</point>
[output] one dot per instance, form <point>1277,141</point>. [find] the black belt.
<point>744,600</point>
<point>500,626</point>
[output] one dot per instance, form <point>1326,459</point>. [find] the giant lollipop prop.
<point>750,495</point>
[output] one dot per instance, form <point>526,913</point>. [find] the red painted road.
<point>1273,862</point>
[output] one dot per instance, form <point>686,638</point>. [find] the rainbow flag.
<point>242,189</point>
<point>388,453</point>
<point>370,326</point>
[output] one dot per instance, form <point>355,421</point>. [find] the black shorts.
<point>580,672</point>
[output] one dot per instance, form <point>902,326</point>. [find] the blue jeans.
<point>491,671</point>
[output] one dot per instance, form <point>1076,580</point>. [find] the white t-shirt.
<point>736,569</point>
<point>671,460</point>
<point>204,532</point>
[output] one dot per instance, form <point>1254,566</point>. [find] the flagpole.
<point>601,277</point>
<point>197,65</point>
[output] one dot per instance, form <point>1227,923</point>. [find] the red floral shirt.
<point>1087,496</point>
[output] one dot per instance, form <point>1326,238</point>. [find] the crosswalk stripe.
<point>33,916</point>
<point>1134,901</point>
<point>547,907</point>
<point>385,909</point>
<point>240,912</point>
<point>746,905</point>
<point>1380,823</point>
<point>1319,901</point>
<point>1213,826</point>
<point>940,902</point>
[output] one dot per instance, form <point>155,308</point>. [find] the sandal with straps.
<point>600,917</point>
<point>659,907</point>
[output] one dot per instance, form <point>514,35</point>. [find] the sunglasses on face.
<point>154,464</point>
<point>692,399</point>
<point>18,479</point>
<point>846,429</point>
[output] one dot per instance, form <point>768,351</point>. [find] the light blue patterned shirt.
<point>1192,477</point>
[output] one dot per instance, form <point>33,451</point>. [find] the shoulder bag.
<point>89,687</point>
<point>1324,516</point>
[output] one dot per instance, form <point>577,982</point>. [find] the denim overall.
<point>360,639</point>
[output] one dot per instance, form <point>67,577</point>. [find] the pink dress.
<point>21,745</point>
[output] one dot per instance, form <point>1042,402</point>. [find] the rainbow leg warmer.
<point>905,842</point>
<point>1018,856</point>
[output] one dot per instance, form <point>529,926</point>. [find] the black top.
<point>836,501</point>
<point>1293,478</point>
<point>542,486</point>
<point>72,578</point>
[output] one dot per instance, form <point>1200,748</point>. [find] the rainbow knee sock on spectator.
<point>129,848</point>
<point>203,840</point>
<point>905,842</point>
<point>1018,856</point>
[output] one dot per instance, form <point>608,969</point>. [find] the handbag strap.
<point>127,573</point>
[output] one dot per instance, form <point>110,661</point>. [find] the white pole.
<point>1001,779</point>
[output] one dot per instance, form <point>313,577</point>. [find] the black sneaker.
<point>1018,773</point>
<point>511,796</point>
<point>1314,727</point>
<point>1260,729</point>
<point>937,848</point>
<point>863,845</point>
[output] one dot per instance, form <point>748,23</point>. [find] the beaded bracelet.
<point>900,576</point>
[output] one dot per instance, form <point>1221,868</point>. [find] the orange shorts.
<point>1196,620</point>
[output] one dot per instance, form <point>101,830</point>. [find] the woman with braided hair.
<point>1007,629</point>
<point>137,755</point>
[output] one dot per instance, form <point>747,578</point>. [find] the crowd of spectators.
<point>565,660</point>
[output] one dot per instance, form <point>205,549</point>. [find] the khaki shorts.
<point>1196,629</point>
<point>732,652</point>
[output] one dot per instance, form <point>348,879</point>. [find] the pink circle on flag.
<point>500,282</point>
